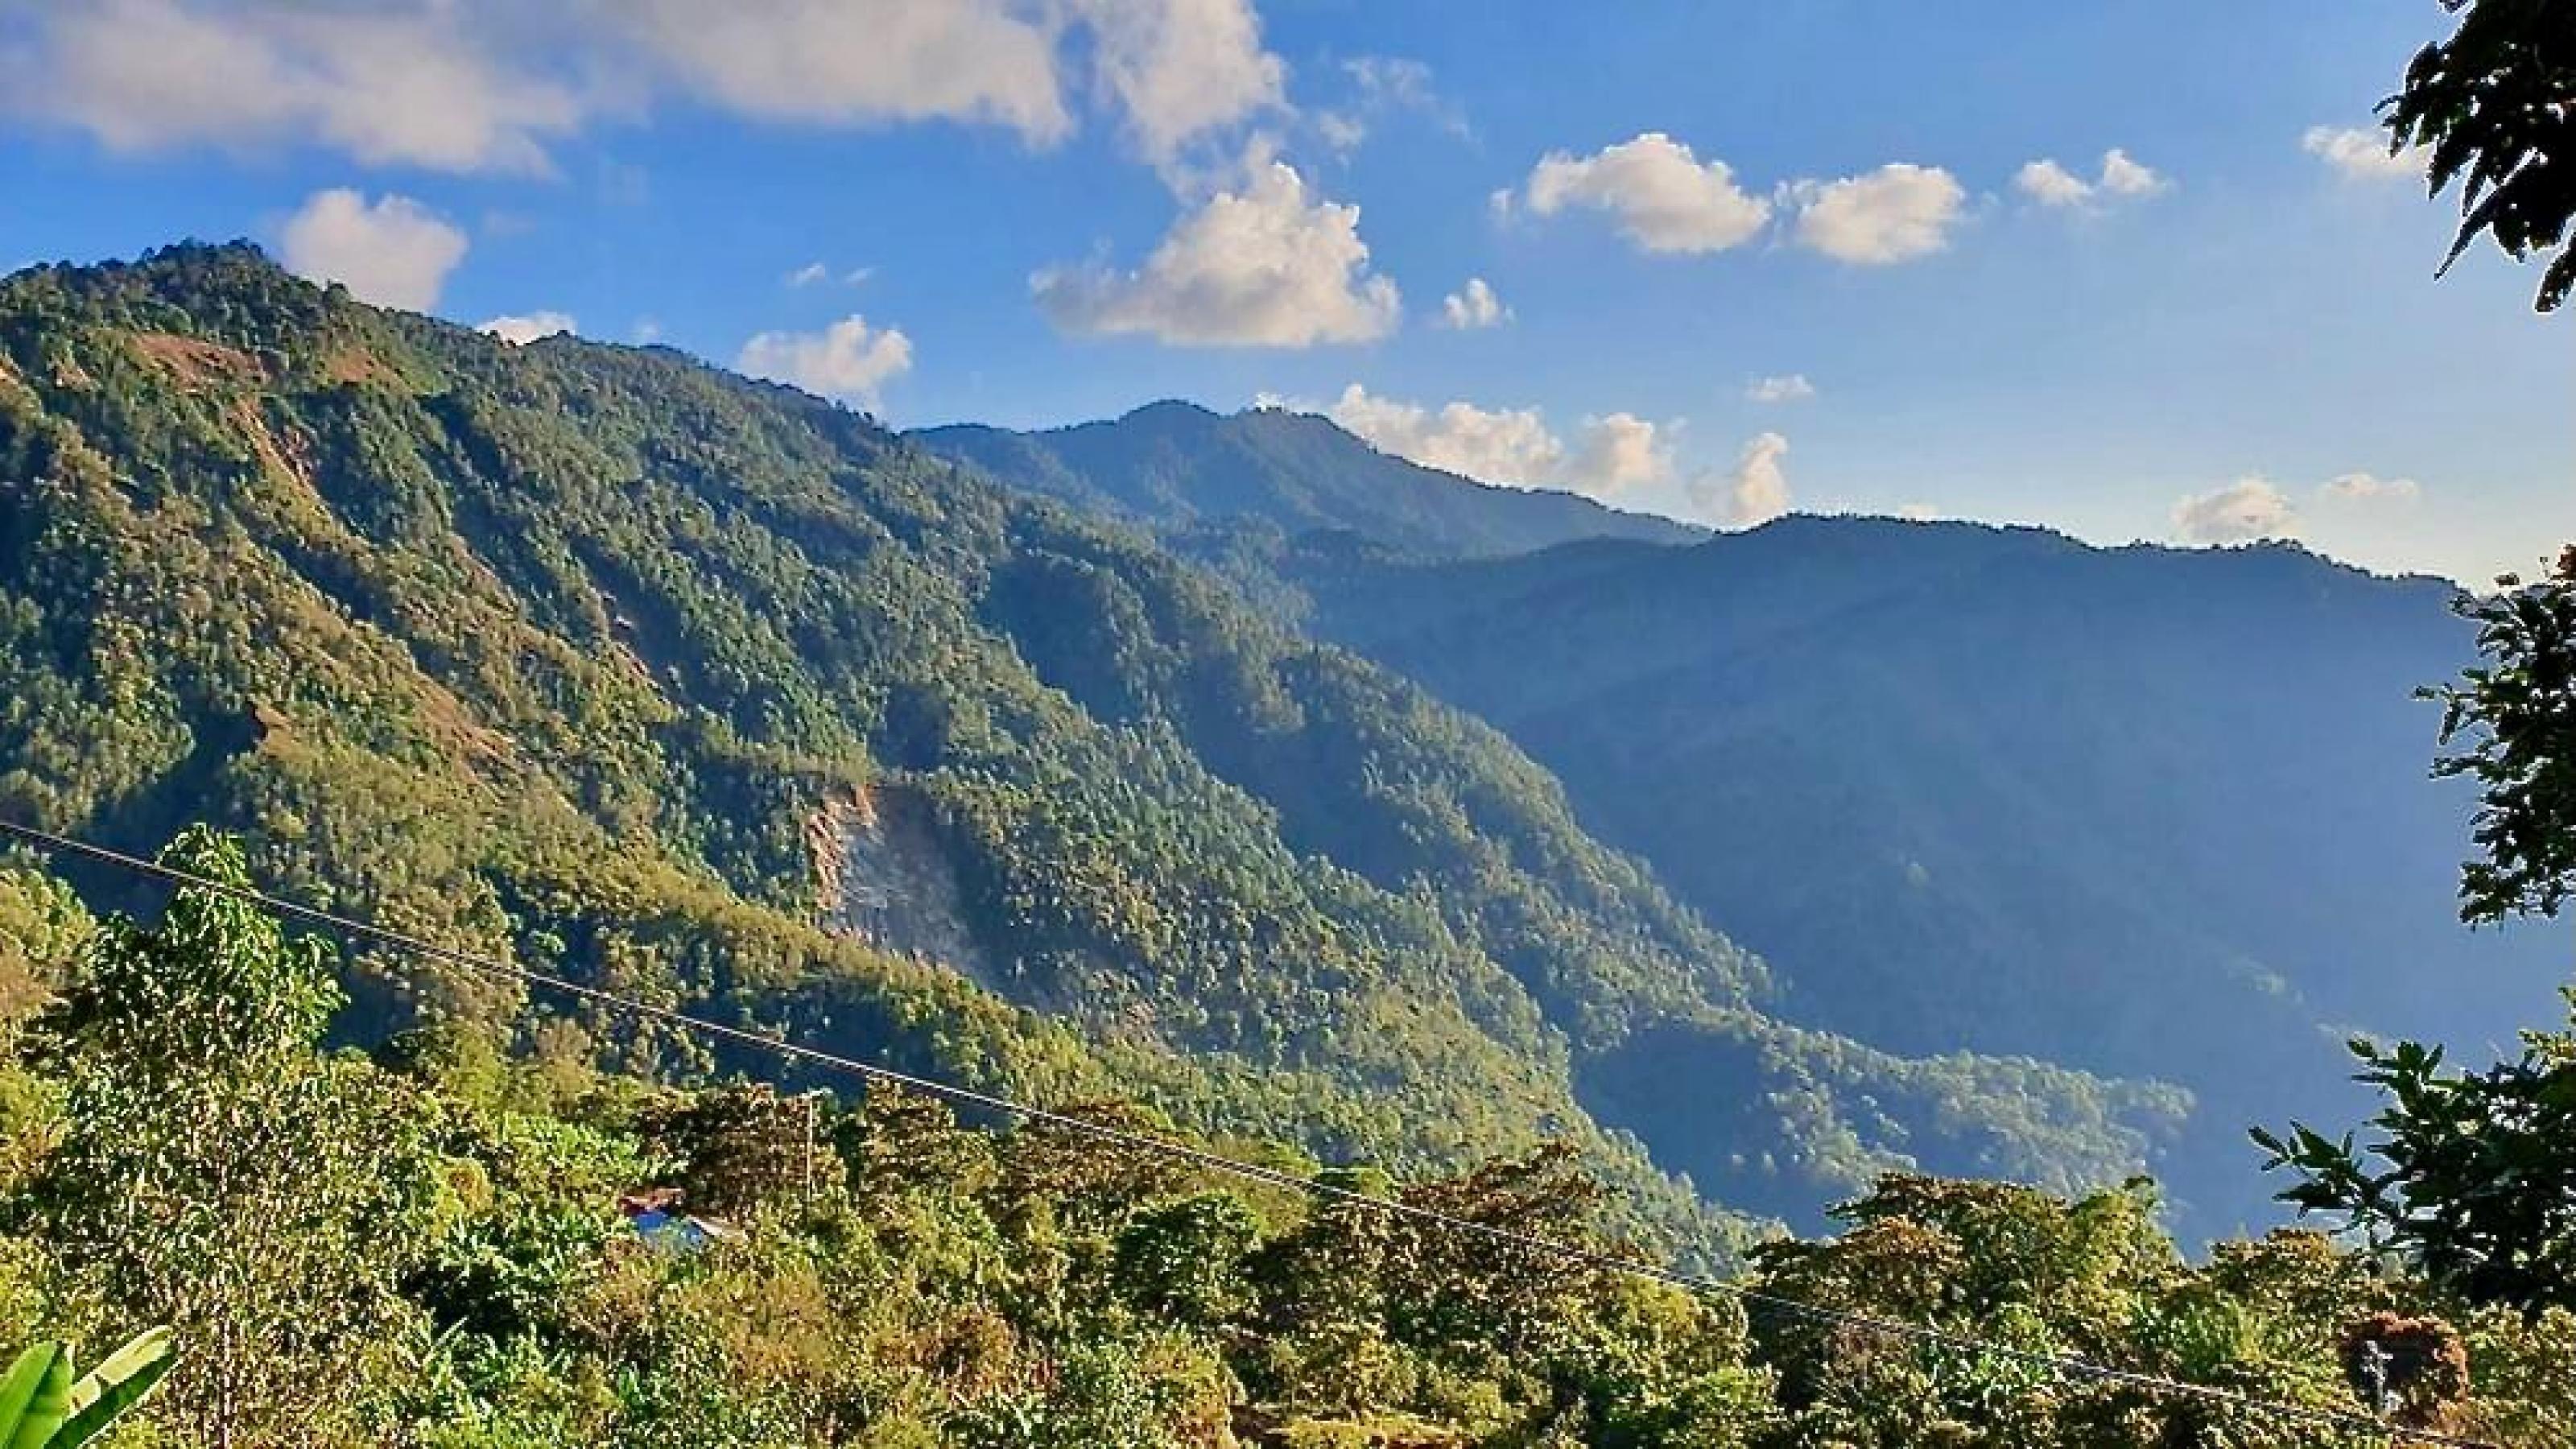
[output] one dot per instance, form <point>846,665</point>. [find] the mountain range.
<point>712,692</point>
<point>1225,763</point>
<point>2149,812</point>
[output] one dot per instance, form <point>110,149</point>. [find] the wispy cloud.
<point>481,86</point>
<point>2367,487</point>
<point>2363,155</point>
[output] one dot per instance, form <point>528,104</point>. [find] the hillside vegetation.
<point>558,651</point>
<point>437,1246</point>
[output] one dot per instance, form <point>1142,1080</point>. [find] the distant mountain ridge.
<point>1176,467</point>
<point>2142,810</point>
<point>2138,810</point>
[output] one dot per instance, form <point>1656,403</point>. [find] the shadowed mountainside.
<point>2136,810</point>
<point>2144,811</point>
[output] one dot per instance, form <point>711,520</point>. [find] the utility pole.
<point>811,1112</point>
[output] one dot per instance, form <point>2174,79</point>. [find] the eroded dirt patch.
<point>195,362</point>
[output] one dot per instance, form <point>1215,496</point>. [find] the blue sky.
<point>1038,211</point>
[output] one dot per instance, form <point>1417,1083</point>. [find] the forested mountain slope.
<point>2135,810</point>
<point>1181,469</point>
<point>564,650</point>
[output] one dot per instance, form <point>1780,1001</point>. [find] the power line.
<point>2065,1365</point>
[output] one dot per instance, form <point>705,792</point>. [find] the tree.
<point>2517,716</point>
<point>2472,1177</point>
<point>743,1148</point>
<point>1444,1288</point>
<point>216,1173</point>
<point>41,927</point>
<point>1183,1260</point>
<point>2496,104</point>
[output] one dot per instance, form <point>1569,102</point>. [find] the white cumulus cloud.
<point>2051,184</point>
<point>2122,176</point>
<point>1617,453</point>
<point>1787,387</point>
<point>1473,305</point>
<point>1896,213</point>
<point>392,251</point>
<point>1756,490</point>
<point>1501,445</point>
<point>1609,454</point>
<point>1665,198</point>
<point>1265,265</point>
<point>521,328</point>
<point>2250,508</point>
<point>848,360</point>
<point>2363,155</point>
<point>1180,68</point>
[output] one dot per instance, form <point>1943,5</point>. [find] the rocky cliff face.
<point>885,879</point>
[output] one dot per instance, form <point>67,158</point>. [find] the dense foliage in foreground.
<point>426,1246</point>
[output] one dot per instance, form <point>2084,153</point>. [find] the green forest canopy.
<point>425,1245</point>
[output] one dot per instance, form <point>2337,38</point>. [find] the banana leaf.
<point>120,1381</point>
